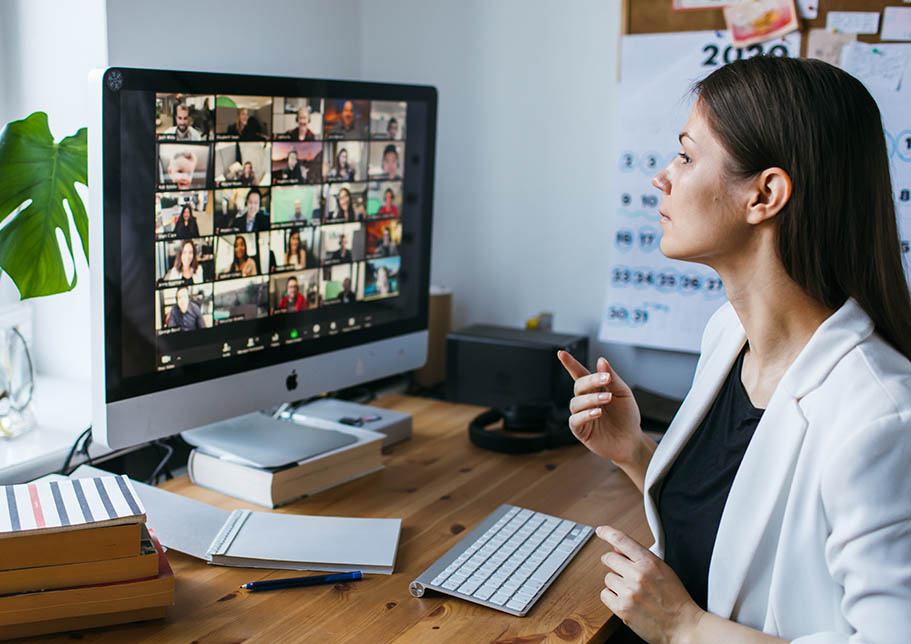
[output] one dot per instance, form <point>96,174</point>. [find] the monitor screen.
<point>255,220</point>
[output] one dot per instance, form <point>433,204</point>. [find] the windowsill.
<point>63,411</point>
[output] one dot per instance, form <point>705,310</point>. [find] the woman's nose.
<point>662,182</point>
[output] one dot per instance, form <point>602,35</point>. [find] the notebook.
<point>267,539</point>
<point>49,506</point>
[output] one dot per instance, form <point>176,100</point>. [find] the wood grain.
<point>441,486</point>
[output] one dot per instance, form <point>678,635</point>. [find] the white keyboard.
<point>507,561</point>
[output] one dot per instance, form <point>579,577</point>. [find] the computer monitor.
<point>255,239</point>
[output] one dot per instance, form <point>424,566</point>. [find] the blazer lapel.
<point>759,490</point>
<point>695,406</point>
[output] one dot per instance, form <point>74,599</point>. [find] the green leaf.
<point>33,167</point>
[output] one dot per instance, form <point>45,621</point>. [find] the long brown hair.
<point>837,235</point>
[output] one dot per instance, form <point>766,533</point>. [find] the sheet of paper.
<point>702,4</point>
<point>651,300</point>
<point>759,20</point>
<point>874,65</point>
<point>827,45</point>
<point>896,23</point>
<point>853,22</point>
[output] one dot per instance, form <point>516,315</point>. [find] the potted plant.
<point>37,176</point>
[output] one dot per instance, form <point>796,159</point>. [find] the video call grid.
<point>313,276</point>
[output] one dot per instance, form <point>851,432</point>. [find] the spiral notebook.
<point>267,539</point>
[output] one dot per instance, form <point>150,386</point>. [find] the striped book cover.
<point>46,506</point>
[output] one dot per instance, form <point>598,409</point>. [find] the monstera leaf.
<point>33,167</point>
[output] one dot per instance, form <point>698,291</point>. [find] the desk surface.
<point>440,485</point>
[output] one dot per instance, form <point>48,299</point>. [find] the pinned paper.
<point>827,45</point>
<point>874,66</point>
<point>896,23</point>
<point>809,9</point>
<point>760,20</point>
<point>853,22</point>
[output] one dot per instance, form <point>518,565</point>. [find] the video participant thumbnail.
<point>294,248</point>
<point>243,118</point>
<point>246,298</point>
<point>385,161</point>
<point>183,215</point>
<point>242,210</point>
<point>345,161</point>
<point>183,166</point>
<point>382,278</point>
<point>346,202</point>
<point>183,261</point>
<point>242,164</point>
<point>292,292</point>
<point>346,118</point>
<point>387,120</point>
<point>383,237</point>
<point>184,117</point>
<point>342,243</point>
<point>384,199</point>
<point>242,255</point>
<point>297,119</point>
<point>297,162</point>
<point>296,206</point>
<point>185,308</point>
<point>342,284</point>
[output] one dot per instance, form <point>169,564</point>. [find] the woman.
<point>242,263</point>
<point>248,178</point>
<point>344,208</point>
<point>186,266</point>
<point>293,171</point>
<point>782,174</point>
<point>294,253</point>
<point>302,131</point>
<point>341,171</point>
<point>382,281</point>
<point>186,226</point>
<point>389,207</point>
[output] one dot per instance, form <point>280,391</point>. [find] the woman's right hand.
<point>605,416</point>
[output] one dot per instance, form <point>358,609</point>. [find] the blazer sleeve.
<point>866,495</point>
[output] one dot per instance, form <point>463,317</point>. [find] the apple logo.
<point>291,381</point>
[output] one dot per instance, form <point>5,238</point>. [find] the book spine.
<point>240,481</point>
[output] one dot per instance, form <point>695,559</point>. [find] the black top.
<point>696,488</point>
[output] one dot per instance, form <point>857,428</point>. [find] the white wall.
<point>48,48</point>
<point>524,158</point>
<point>275,37</point>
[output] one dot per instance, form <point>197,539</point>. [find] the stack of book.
<point>271,487</point>
<point>77,554</point>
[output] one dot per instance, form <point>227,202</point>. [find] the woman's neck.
<point>778,316</point>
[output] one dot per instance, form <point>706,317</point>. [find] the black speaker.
<point>503,367</point>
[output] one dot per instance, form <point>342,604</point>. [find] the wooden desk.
<point>440,485</point>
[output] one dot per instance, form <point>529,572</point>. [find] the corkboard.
<point>656,16</point>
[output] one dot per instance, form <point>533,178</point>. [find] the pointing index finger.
<point>572,366</point>
<point>622,543</point>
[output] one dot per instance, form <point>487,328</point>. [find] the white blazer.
<point>814,543</point>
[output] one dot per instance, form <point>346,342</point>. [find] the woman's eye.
<point>684,156</point>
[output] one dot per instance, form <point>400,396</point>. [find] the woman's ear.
<point>771,191</point>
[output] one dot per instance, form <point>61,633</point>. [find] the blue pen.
<point>294,582</point>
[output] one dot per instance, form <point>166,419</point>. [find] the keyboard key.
<point>516,604</point>
<point>549,566</point>
<point>499,598</point>
<point>484,592</point>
